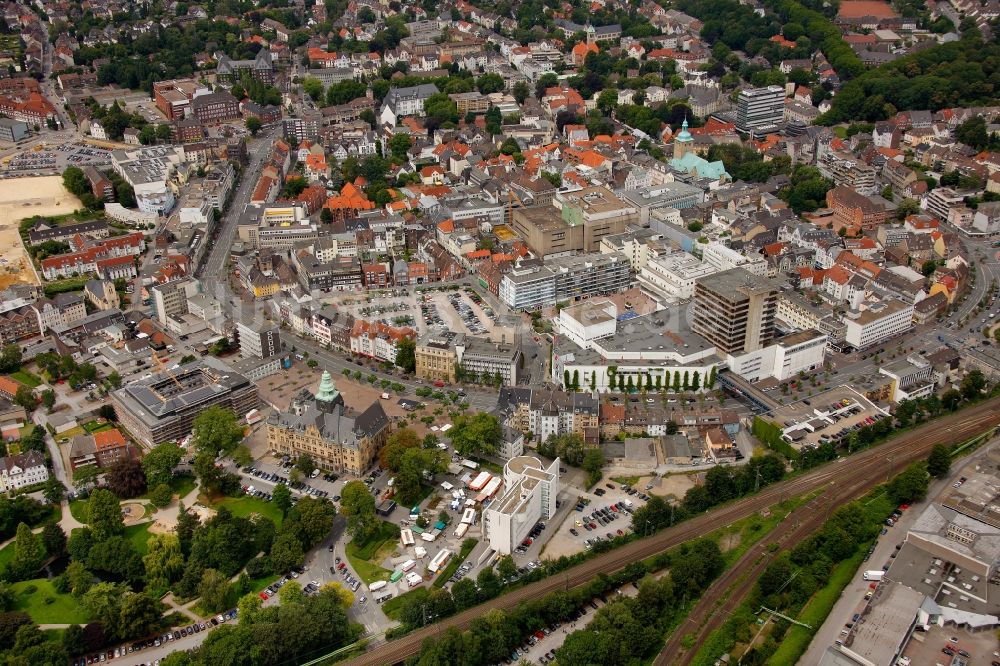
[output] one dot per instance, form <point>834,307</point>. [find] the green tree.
<point>7,597</point>
<point>607,101</point>
<point>103,603</point>
<point>78,579</point>
<point>520,91</point>
<point>139,616</point>
<point>406,355</point>
<point>161,496</point>
<point>54,490</point>
<point>479,434</point>
<point>104,515</point>
<point>249,607</point>
<point>939,461</point>
<point>253,125</point>
<point>48,399</point>
<point>950,399</point>
<point>282,497</point>
<point>164,561</point>
<point>29,553</point>
<point>399,144</point>
<point>358,505</point>
<point>10,356</point>
<point>593,463</point>
<point>313,87</point>
<point>53,540</point>
<point>25,397</point>
<point>910,485</point>
<point>160,462</point>
<point>213,590</point>
<point>973,384</point>
<point>216,430</point>
<point>311,519</point>
<point>286,553</point>
<point>974,133</point>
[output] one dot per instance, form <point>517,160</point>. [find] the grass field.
<point>6,554</point>
<point>78,509</point>
<point>258,584</point>
<point>29,379</point>
<point>360,556</point>
<point>392,607</point>
<point>625,480</point>
<point>96,426</point>
<point>138,535</point>
<point>814,613</point>
<point>63,608</point>
<point>243,507</point>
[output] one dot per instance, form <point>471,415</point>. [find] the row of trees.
<point>625,631</point>
<point>721,485</point>
<point>686,381</point>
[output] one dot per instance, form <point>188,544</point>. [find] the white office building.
<point>804,351</point>
<point>149,170</point>
<point>529,496</point>
<point>672,278</point>
<point>725,258</point>
<point>878,322</point>
<point>651,352</point>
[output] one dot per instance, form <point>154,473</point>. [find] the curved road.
<point>855,474</point>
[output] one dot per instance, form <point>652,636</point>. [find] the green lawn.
<point>63,609</point>
<point>367,571</point>
<point>78,509</point>
<point>258,584</point>
<point>29,379</point>
<point>359,555</point>
<point>96,426</point>
<point>6,554</point>
<point>456,562</point>
<point>393,606</point>
<point>138,535</point>
<point>796,641</point>
<point>625,480</point>
<point>245,506</point>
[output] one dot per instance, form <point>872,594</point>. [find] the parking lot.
<point>57,158</point>
<point>829,416</point>
<point>598,515</point>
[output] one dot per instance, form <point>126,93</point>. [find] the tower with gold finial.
<point>683,141</point>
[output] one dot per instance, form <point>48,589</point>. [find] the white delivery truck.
<point>377,585</point>
<point>874,575</point>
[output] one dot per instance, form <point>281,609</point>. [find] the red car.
<point>341,566</point>
<point>263,595</point>
<point>439,383</point>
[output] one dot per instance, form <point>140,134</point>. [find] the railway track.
<point>847,479</point>
<point>728,592</point>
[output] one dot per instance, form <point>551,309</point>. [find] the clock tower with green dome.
<point>327,395</point>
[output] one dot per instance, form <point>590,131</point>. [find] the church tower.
<point>683,141</point>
